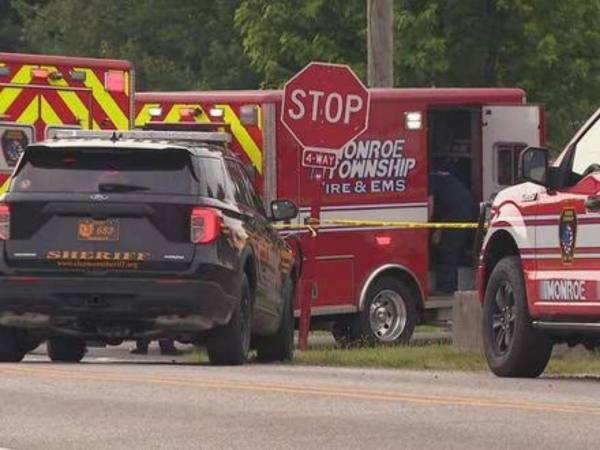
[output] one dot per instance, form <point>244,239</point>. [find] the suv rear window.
<point>166,171</point>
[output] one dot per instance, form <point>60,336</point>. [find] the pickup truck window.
<point>587,151</point>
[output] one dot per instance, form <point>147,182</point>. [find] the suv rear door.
<point>103,209</point>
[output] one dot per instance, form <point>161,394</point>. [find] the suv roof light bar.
<point>192,136</point>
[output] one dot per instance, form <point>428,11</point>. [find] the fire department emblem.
<point>13,143</point>
<point>567,234</point>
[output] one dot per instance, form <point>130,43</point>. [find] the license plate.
<point>98,230</point>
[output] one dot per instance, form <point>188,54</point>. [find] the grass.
<point>430,357</point>
<point>438,357</point>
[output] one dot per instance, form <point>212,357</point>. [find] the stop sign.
<point>325,106</point>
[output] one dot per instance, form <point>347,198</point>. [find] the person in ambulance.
<point>452,202</point>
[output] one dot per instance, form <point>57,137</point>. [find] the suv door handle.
<point>593,203</point>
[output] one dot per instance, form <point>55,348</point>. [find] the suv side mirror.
<point>283,210</point>
<point>534,164</point>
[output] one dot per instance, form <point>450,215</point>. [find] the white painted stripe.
<point>588,235</point>
<point>368,206</point>
<point>414,214</point>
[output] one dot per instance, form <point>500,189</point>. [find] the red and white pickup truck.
<point>539,268</point>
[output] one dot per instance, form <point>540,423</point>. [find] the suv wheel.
<point>389,314</point>
<point>513,348</point>
<point>66,349</point>
<point>230,344</point>
<point>11,349</point>
<point>280,346</point>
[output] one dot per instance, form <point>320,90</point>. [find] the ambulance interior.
<point>454,152</point>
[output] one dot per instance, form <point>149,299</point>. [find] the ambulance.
<point>372,278</point>
<point>539,268</point>
<point>41,94</point>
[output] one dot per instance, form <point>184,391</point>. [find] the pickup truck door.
<point>567,243</point>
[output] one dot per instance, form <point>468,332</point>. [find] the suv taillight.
<point>205,225</point>
<point>4,221</point>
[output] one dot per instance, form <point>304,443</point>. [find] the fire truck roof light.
<point>56,75</point>
<point>114,81</point>
<point>216,112</point>
<point>414,120</point>
<point>39,73</point>
<point>78,75</point>
<point>155,112</point>
<point>187,112</point>
<point>249,114</point>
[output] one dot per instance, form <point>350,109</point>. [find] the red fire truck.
<point>372,281</point>
<point>40,94</point>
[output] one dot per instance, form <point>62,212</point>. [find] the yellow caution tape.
<point>313,225</point>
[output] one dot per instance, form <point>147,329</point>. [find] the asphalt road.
<point>116,401</point>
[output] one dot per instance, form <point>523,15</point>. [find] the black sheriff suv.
<point>140,235</point>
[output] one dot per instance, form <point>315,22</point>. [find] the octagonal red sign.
<point>325,106</point>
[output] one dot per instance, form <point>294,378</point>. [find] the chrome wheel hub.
<point>387,315</point>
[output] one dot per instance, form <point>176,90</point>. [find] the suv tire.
<point>229,344</point>
<point>389,315</point>
<point>280,346</point>
<point>66,349</point>
<point>10,346</point>
<point>512,347</point>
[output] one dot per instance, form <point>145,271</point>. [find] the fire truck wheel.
<point>513,348</point>
<point>280,346</point>
<point>10,348</point>
<point>389,314</point>
<point>229,345</point>
<point>66,349</point>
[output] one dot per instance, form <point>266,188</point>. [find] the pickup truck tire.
<point>513,348</point>
<point>389,314</point>
<point>229,345</point>
<point>280,346</point>
<point>11,349</point>
<point>66,349</point>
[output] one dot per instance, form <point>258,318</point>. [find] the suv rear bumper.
<point>169,303</point>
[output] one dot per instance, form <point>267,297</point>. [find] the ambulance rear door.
<point>506,131</point>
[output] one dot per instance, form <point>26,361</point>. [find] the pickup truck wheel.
<point>10,348</point>
<point>229,344</point>
<point>513,348</point>
<point>66,349</point>
<point>389,314</point>
<point>280,346</point>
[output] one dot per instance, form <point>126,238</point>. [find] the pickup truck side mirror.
<point>283,210</point>
<point>534,163</point>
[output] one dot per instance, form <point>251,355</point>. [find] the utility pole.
<point>380,43</point>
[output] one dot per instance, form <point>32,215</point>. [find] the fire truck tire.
<point>66,349</point>
<point>280,346</point>
<point>229,345</point>
<point>389,315</point>
<point>513,348</point>
<point>10,348</point>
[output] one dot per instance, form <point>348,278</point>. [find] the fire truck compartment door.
<point>506,131</point>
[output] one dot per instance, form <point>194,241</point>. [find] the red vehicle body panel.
<point>396,189</point>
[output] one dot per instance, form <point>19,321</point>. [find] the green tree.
<point>282,36</point>
<point>188,44</point>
